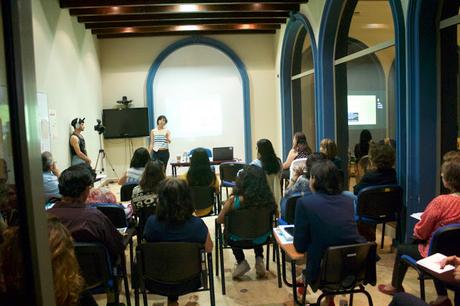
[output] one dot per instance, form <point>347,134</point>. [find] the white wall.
<point>125,64</point>
<point>68,71</point>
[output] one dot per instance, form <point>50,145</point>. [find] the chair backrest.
<point>126,192</point>
<point>143,213</point>
<point>208,152</point>
<point>446,240</point>
<point>345,267</point>
<point>290,208</point>
<point>228,171</point>
<point>114,212</point>
<point>296,164</point>
<point>94,262</point>
<point>202,196</point>
<point>249,223</point>
<point>382,202</point>
<point>170,262</point>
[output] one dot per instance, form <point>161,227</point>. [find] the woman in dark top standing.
<point>319,216</point>
<point>362,148</point>
<point>174,221</point>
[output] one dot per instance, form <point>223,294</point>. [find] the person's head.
<point>162,120</point>
<point>140,157</point>
<point>175,201</point>
<point>101,195</point>
<point>325,177</point>
<point>78,124</point>
<point>328,147</point>
<point>365,136</point>
<point>381,156</point>
<point>200,172</point>
<point>251,183</point>
<point>311,159</point>
<point>75,182</point>
<point>299,143</point>
<point>270,163</point>
<point>68,282</point>
<point>152,176</point>
<point>450,172</point>
<point>455,154</point>
<point>47,161</point>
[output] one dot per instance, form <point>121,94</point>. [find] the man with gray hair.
<point>50,176</point>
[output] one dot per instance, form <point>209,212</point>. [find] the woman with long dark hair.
<point>362,148</point>
<point>271,164</point>
<point>300,149</point>
<point>136,167</point>
<point>251,191</point>
<point>201,174</point>
<point>146,193</point>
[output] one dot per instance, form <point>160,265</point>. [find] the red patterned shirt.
<point>442,210</point>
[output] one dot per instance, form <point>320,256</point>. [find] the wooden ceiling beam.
<point>179,16</point>
<point>184,9</point>
<point>102,25</point>
<point>187,28</point>
<point>106,3</point>
<point>184,33</point>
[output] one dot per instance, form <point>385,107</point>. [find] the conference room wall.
<point>125,64</point>
<point>68,72</point>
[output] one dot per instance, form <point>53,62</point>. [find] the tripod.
<point>102,155</point>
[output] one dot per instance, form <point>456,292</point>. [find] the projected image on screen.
<point>362,110</point>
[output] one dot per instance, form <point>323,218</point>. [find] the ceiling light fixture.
<point>188,8</point>
<point>187,28</point>
<point>378,26</point>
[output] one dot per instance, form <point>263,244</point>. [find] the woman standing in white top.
<point>160,138</point>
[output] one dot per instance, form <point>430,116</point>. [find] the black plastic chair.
<point>205,196</point>
<point>99,273</point>
<point>143,214</point>
<point>249,223</point>
<point>380,204</point>
<point>115,212</point>
<point>346,269</point>
<point>445,240</point>
<point>228,172</point>
<point>126,192</point>
<point>174,269</point>
<point>290,208</point>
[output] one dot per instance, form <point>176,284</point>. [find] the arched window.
<point>298,82</point>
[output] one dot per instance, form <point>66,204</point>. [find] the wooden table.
<point>175,165</point>
<point>287,249</point>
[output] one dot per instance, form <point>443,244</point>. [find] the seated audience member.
<point>301,182</point>
<point>329,148</point>
<point>362,148</point>
<point>324,218</point>
<point>174,220</point>
<point>50,176</point>
<point>363,167</point>
<point>86,224</point>
<point>68,283</point>
<point>441,211</point>
<point>101,195</point>
<point>271,164</point>
<point>388,141</point>
<point>200,174</point>
<point>133,175</point>
<point>251,191</point>
<point>379,172</point>
<point>300,149</point>
<point>146,193</point>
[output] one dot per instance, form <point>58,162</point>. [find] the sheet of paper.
<point>433,262</point>
<point>285,237</point>
<point>417,216</point>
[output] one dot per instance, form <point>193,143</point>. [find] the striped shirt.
<point>159,139</point>
<point>134,175</point>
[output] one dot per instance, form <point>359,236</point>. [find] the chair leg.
<point>216,240</point>
<point>369,298</point>
<point>422,288</point>
<point>136,297</point>
<point>144,296</point>
<point>212,296</point>
<point>351,299</point>
<point>383,235</point>
<point>267,264</point>
<point>278,268</point>
<point>222,268</point>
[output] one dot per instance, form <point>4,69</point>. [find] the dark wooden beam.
<point>188,28</point>
<point>184,33</point>
<point>102,25</point>
<point>101,3</point>
<point>185,9</point>
<point>179,16</point>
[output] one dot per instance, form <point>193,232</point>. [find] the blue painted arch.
<point>206,41</point>
<point>295,24</point>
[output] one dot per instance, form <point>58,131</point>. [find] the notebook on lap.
<point>222,153</point>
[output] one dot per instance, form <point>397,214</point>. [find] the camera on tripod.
<point>99,127</point>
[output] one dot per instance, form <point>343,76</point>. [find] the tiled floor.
<point>253,291</point>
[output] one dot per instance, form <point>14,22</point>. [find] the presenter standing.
<point>77,143</point>
<point>160,138</point>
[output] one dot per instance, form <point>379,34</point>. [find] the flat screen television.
<point>125,123</point>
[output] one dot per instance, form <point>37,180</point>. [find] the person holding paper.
<point>441,211</point>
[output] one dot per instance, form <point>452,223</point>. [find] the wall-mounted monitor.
<point>362,110</point>
<point>125,123</point>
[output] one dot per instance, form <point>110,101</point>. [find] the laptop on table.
<point>222,153</point>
